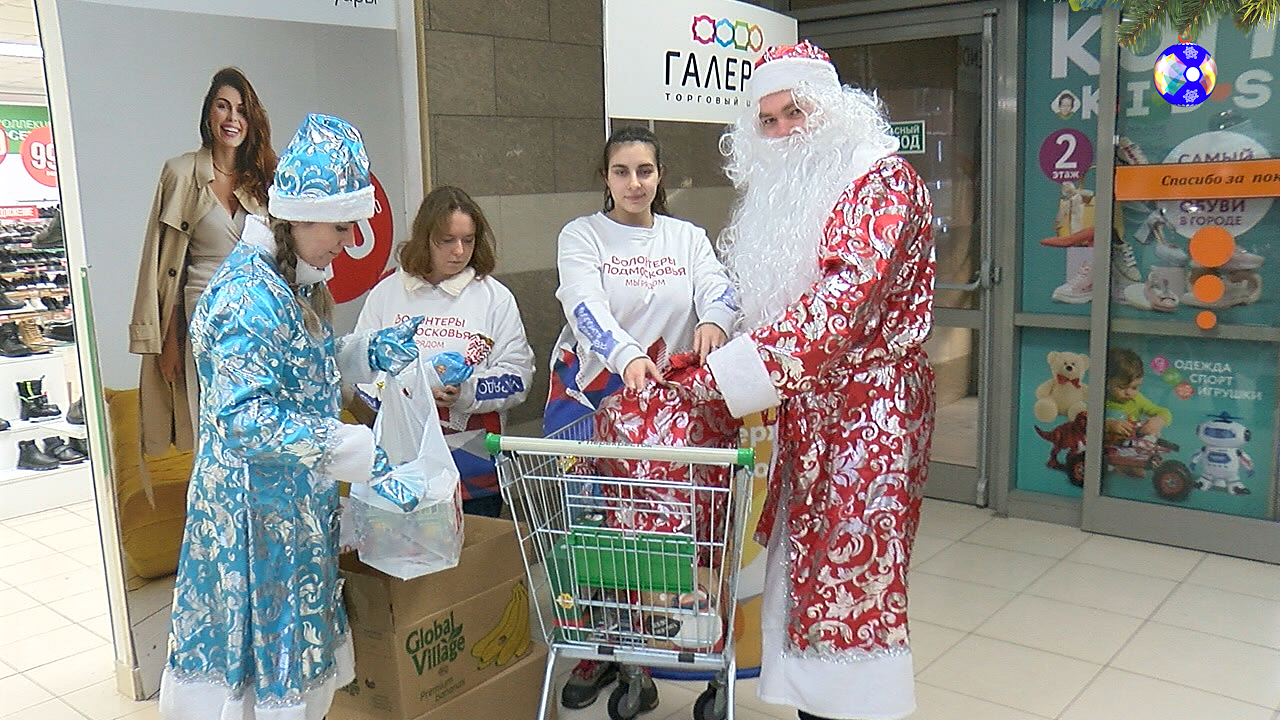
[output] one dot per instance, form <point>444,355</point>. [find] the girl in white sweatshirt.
<point>444,275</point>
<point>637,285</point>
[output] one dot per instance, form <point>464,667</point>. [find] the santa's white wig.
<point>788,187</point>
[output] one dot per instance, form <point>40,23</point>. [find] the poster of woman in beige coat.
<point>199,210</point>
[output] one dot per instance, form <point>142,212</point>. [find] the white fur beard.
<point>774,236</point>
<point>789,186</point>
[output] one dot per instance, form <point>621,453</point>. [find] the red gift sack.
<point>667,416</point>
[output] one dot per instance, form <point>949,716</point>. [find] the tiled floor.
<point>955,433</point>
<point>1011,620</point>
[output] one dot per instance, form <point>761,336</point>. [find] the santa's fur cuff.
<point>742,377</point>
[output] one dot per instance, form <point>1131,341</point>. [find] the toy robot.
<point>1220,460</point>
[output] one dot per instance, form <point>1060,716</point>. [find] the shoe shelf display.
<point>35,298</point>
<point>43,450</point>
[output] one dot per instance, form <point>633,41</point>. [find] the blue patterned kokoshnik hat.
<point>323,175</point>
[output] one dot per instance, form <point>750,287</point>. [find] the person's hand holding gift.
<point>454,368</point>
<point>393,349</point>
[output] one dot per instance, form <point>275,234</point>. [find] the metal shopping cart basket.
<point>608,586</point>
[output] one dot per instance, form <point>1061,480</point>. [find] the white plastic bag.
<point>427,538</point>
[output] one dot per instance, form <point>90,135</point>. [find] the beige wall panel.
<point>493,155</point>
<point>577,21</point>
<point>530,225</point>
<point>501,18</point>
<point>578,144</point>
<point>545,79</point>
<point>706,207</point>
<point>460,73</point>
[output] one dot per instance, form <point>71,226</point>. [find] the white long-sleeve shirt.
<point>454,310</point>
<point>623,288</point>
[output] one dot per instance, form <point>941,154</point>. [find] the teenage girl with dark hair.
<point>636,285</point>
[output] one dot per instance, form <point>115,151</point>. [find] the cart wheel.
<point>705,706</point>
<point>621,705</point>
<point>1172,480</point>
<point>1075,469</point>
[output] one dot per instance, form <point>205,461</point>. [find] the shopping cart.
<point>605,590</point>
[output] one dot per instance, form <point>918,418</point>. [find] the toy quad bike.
<point>1171,479</point>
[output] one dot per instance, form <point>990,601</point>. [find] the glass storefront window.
<point>1192,353</point>
<point>1188,421</point>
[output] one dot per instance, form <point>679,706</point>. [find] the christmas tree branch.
<point>1141,21</point>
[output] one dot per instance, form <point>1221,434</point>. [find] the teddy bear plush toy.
<point>1063,394</point>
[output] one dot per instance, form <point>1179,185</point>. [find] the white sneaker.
<point>1123,264</point>
<point>1120,289</point>
<point>1077,290</point>
<point>1242,259</point>
<point>1244,290</point>
<point>1163,287</point>
<point>1136,295</point>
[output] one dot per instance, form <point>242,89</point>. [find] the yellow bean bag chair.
<point>150,537</point>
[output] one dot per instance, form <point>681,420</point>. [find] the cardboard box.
<point>422,643</point>
<point>512,693</point>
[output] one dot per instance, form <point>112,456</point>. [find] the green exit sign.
<point>910,136</point>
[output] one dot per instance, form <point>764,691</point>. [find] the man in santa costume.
<point>830,245</point>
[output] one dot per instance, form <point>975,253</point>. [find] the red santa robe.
<point>857,403</point>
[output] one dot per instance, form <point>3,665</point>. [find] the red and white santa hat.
<point>785,67</point>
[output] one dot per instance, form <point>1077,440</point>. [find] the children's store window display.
<point>1162,235</point>
<point>1073,228</point>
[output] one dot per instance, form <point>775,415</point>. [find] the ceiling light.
<point>26,50</point>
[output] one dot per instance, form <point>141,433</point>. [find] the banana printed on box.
<point>510,637</point>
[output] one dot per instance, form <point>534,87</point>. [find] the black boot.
<point>55,448</point>
<point>75,413</point>
<point>79,445</point>
<point>10,344</point>
<point>30,457</point>
<point>60,331</point>
<point>35,403</point>
<point>51,235</point>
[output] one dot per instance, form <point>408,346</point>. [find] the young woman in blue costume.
<point>259,629</point>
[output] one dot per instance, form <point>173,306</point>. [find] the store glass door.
<point>934,76</point>
<point>1191,336</point>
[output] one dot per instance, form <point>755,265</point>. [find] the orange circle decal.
<point>1206,320</point>
<point>1208,288</point>
<point>1212,246</point>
